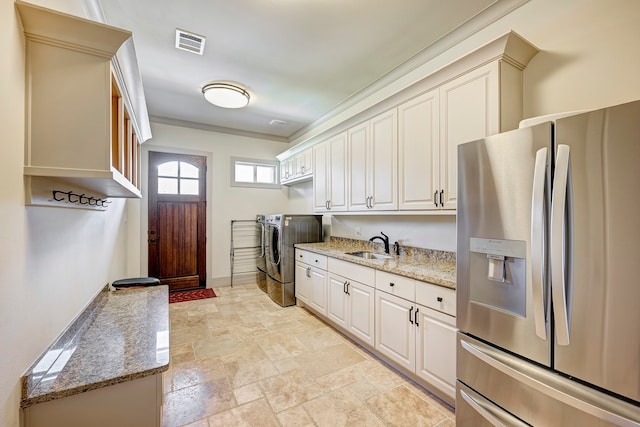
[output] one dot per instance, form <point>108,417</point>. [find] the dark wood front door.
<point>177,220</point>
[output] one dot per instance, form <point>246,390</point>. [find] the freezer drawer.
<point>536,395</point>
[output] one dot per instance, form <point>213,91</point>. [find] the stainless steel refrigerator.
<point>548,273</point>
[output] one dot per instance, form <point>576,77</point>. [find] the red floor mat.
<point>191,295</point>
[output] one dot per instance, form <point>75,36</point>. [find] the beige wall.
<point>52,260</point>
<point>588,59</point>
<point>51,265</point>
<point>225,203</point>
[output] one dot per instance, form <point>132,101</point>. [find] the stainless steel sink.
<point>369,255</point>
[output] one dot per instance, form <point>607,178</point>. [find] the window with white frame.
<point>254,173</point>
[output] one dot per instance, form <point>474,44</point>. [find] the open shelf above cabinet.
<point>86,115</point>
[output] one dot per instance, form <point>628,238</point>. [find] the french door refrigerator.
<point>548,273</point>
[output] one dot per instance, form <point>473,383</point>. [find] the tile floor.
<point>241,360</point>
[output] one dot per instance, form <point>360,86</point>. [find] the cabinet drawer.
<point>311,258</point>
<point>400,286</point>
<point>436,297</point>
<point>352,271</point>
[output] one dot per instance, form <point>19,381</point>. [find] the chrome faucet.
<point>384,239</point>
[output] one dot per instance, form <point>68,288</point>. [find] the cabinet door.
<point>304,163</point>
<point>337,172</point>
<point>361,314</point>
<point>320,177</point>
<point>318,292</point>
<point>468,111</point>
<point>358,170</point>
<point>337,301</point>
<point>303,282</point>
<point>383,162</point>
<point>436,349</point>
<point>418,158</point>
<point>395,330</point>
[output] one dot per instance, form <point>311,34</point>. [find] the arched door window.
<point>177,177</point>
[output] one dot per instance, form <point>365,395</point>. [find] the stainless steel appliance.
<point>282,232</point>
<point>261,262</point>
<point>547,274</point>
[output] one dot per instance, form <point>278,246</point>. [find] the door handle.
<point>435,198</point>
<point>411,315</point>
<point>442,198</point>
<point>538,226</point>
<point>348,283</point>
<point>416,316</point>
<point>561,243</point>
<point>344,287</point>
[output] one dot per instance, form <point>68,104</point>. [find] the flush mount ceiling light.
<point>225,95</point>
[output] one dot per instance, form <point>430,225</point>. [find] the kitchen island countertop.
<point>436,267</point>
<point>120,336</point>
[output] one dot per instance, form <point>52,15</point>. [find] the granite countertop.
<point>437,267</point>
<point>120,336</point>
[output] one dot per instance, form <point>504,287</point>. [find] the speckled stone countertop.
<point>437,267</point>
<point>120,336</point>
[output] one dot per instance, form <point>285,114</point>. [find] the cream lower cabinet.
<point>351,299</point>
<point>417,337</point>
<point>436,349</point>
<point>351,306</point>
<point>311,280</point>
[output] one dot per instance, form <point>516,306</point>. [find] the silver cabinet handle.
<point>308,271</point>
<point>538,226</point>
<point>435,198</point>
<point>561,243</point>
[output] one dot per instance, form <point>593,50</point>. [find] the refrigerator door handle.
<point>493,416</point>
<point>561,238</point>
<point>512,367</point>
<point>538,211</point>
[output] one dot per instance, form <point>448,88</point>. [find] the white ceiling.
<point>299,59</point>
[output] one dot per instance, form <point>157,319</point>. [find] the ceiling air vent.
<point>189,41</point>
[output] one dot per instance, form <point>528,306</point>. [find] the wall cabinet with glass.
<point>84,124</point>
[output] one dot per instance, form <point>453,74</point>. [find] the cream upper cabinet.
<point>477,104</point>
<point>287,170</point>
<point>86,116</point>
<point>304,163</point>
<point>372,173</point>
<point>329,182</point>
<point>469,110</point>
<point>297,168</point>
<point>418,145</point>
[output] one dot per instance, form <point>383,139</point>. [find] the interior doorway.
<point>177,220</point>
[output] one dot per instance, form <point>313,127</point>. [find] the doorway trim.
<point>142,209</point>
